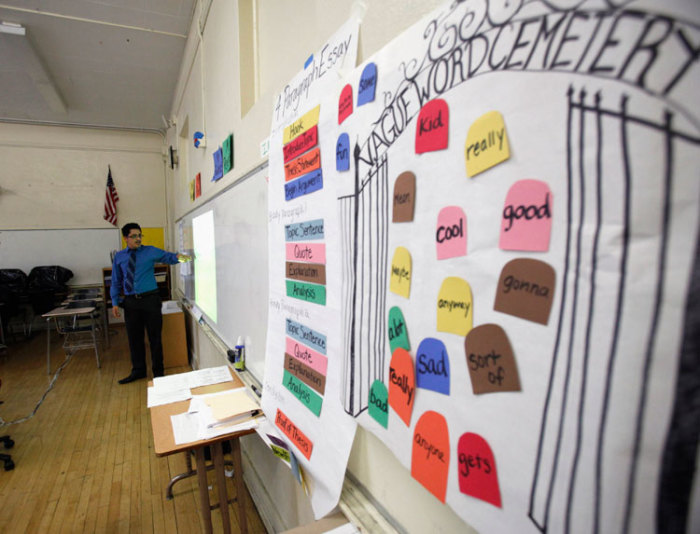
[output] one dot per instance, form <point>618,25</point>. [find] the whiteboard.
<point>240,226</point>
<point>84,251</point>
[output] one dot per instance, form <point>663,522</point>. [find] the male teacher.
<point>133,276</point>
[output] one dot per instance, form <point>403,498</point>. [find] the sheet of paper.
<point>185,427</point>
<point>157,397</point>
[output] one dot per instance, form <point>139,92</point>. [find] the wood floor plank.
<point>85,459</point>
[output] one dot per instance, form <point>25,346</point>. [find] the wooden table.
<point>75,339</point>
<point>164,444</point>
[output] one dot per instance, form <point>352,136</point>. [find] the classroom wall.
<point>55,177</point>
<point>209,98</point>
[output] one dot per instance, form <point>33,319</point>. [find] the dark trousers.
<point>139,314</point>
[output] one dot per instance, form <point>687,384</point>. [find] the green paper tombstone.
<point>398,335</point>
<point>379,403</point>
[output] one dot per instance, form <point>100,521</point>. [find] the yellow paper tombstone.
<point>455,307</point>
<point>487,143</point>
<point>400,279</point>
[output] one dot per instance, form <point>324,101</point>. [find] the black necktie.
<point>130,271</point>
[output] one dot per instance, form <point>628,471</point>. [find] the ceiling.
<point>106,63</point>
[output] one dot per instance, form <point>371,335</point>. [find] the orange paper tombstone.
<point>430,460</point>
<point>402,384</point>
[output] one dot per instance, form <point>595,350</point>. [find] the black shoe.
<point>158,374</point>
<point>133,376</point>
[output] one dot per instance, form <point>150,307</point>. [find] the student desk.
<point>95,296</point>
<point>164,444</point>
<point>75,337</point>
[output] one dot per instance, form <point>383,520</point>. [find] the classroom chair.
<point>8,444</point>
<point>47,288</point>
<point>13,298</point>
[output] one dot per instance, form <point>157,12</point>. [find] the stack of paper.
<point>216,414</point>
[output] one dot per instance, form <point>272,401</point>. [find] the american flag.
<point>111,198</point>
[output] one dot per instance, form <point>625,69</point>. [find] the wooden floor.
<point>84,461</point>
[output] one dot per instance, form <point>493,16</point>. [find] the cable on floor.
<point>4,423</point>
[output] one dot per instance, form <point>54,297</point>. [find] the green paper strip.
<point>308,292</point>
<point>304,393</point>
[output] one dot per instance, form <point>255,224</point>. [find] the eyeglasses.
<point>134,236</point>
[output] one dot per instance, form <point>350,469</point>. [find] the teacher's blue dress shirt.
<point>144,276</point>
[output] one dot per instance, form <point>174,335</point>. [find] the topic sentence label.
<point>306,335</point>
<point>304,231</point>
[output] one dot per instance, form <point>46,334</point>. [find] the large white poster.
<point>303,365</point>
<point>517,190</point>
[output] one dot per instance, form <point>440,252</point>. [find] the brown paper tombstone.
<point>404,197</point>
<point>490,360</point>
<point>526,290</point>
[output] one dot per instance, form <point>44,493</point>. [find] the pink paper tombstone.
<point>345,103</point>
<point>432,126</point>
<point>451,233</point>
<point>526,222</point>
